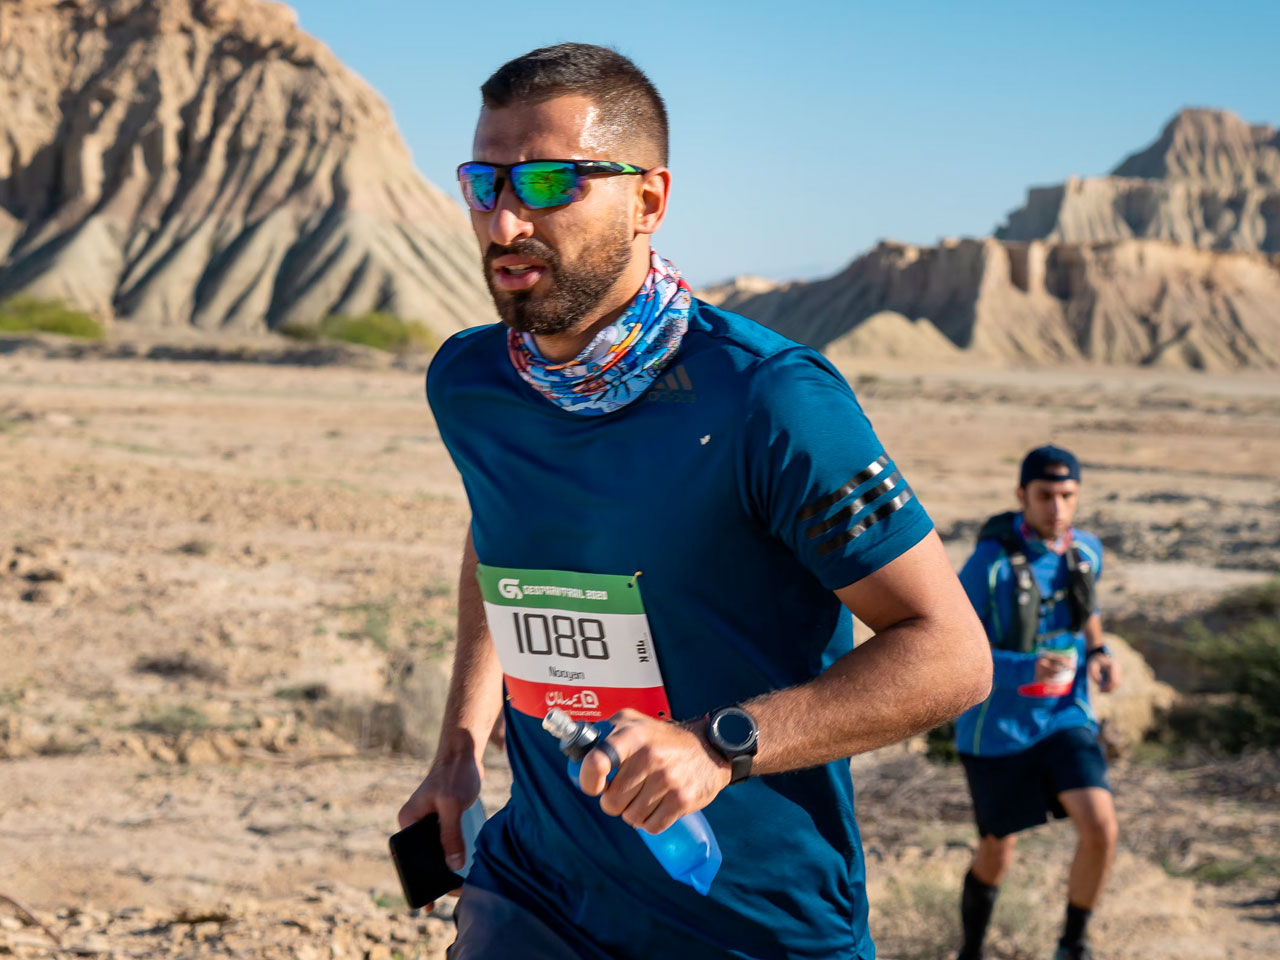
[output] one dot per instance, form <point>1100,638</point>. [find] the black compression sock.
<point>1073,929</point>
<point>976,904</point>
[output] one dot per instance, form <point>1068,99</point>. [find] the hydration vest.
<point>1080,593</point>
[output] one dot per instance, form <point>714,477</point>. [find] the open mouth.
<point>513,272</point>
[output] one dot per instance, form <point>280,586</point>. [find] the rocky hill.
<point>1210,180</point>
<point>1106,270</point>
<point>1132,302</point>
<point>206,163</point>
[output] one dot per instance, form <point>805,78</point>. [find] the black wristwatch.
<point>1101,648</point>
<point>734,734</point>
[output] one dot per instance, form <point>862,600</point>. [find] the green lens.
<point>477,182</point>
<point>543,184</point>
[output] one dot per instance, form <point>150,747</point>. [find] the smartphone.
<point>419,858</point>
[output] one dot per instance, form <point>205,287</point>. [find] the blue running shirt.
<point>744,487</point>
<point>1008,722</point>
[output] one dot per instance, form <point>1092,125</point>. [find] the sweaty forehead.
<point>567,128</point>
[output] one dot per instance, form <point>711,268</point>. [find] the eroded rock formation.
<point>1179,271</point>
<point>1210,180</point>
<point>1130,302</point>
<point>206,163</point>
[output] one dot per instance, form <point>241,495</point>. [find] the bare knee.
<point>992,858</point>
<point>1099,833</point>
<point>999,848</point>
<point>1094,814</point>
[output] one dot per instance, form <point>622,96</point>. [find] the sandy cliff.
<point>1085,272</point>
<point>206,163</point>
<point>1210,180</point>
<point>1129,302</point>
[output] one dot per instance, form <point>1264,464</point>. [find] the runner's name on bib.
<point>577,641</point>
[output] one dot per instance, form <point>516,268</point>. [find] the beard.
<point>575,290</point>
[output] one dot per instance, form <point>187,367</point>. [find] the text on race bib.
<point>576,641</point>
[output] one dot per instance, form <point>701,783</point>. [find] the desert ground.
<point>226,604</point>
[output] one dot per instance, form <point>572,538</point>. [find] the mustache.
<point>529,247</point>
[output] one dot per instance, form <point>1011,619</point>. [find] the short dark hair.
<point>627,98</point>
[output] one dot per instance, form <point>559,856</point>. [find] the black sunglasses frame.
<point>581,168</point>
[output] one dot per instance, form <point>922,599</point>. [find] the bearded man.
<point>675,514</point>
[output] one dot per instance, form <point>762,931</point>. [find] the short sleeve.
<point>1092,548</point>
<point>816,474</point>
<point>975,577</point>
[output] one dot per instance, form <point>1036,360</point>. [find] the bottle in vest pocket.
<point>1062,644</point>
<point>687,849</point>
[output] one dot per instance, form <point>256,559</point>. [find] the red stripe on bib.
<point>585,703</point>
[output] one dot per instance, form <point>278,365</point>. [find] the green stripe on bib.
<point>559,590</point>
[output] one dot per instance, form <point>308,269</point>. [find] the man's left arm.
<point>1103,669</point>
<point>927,662</point>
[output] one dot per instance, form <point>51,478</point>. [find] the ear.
<point>651,200</point>
<point>1021,493</point>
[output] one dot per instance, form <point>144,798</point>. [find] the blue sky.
<point>803,132</point>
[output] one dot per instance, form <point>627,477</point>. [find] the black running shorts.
<point>1020,790</point>
<point>491,927</point>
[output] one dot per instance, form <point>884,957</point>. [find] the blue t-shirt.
<point>1008,722</point>
<point>746,485</point>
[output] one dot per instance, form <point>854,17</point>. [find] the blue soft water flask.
<point>687,849</point>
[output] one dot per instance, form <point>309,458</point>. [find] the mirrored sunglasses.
<point>538,184</point>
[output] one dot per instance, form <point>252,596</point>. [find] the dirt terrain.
<point>226,605</point>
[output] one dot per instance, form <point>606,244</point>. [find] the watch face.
<point>734,729</point>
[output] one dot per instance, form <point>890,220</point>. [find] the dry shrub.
<point>917,917</point>
<point>178,666</point>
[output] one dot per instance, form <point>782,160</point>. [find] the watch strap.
<point>740,758</point>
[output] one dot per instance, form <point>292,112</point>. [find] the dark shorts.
<point>491,927</point>
<point>1018,791</point>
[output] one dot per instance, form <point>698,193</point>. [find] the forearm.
<point>1093,632</point>
<point>902,681</point>
<point>475,689</point>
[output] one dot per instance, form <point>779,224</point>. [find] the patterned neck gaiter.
<point>1057,545</point>
<point>623,358</point>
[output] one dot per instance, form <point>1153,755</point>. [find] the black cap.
<point>1046,463</point>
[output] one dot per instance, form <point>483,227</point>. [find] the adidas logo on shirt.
<point>675,387</point>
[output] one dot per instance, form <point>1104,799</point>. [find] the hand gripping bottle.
<point>687,849</point>
<point>1062,644</point>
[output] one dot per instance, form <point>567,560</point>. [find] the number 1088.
<point>560,635</point>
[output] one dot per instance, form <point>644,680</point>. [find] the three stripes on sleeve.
<point>859,514</point>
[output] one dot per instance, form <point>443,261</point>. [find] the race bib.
<point>1061,683</point>
<point>577,641</point>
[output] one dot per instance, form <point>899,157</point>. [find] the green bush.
<point>27,314</point>
<point>1218,872</point>
<point>940,743</point>
<point>1251,604</point>
<point>173,720</point>
<point>1236,648</point>
<point>383,331</point>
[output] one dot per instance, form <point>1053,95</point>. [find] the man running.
<point>1031,749</point>
<point>674,511</point>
